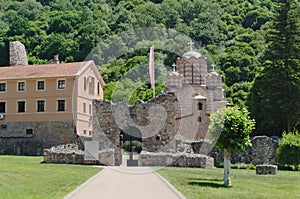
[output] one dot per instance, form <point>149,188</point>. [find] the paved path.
<point>126,182</point>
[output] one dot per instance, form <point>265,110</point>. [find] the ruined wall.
<point>263,151</point>
<point>64,154</point>
<point>16,140</point>
<point>175,159</point>
<point>154,119</point>
<point>17,54</point>
<point>72,154</point>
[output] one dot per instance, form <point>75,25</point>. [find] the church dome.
<point>191,54</point>
<point>214,73</point>
<point>174,73</point>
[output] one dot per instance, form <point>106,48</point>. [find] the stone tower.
<point>17,54</point>
<point>193,67</point>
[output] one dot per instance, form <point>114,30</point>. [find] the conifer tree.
<point>274,98</point>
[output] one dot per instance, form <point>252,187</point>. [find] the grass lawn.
<point>26,177</point>
<point>208,183</point>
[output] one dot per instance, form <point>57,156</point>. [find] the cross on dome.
<point>174,66</point>
<point>191,43</point>
<point>213,66</point>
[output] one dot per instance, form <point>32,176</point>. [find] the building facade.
<point>46,105</point>
<point>199,93</point>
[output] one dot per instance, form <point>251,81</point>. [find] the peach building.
<point>46,105</point>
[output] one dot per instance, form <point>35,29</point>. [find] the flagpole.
<point>153,91</point>
<point>151,69</point>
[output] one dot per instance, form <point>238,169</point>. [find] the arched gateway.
<point>152,122</point>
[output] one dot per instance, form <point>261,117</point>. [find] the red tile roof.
<point>40,71</point>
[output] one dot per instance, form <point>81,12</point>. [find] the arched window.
<point>200,106</point>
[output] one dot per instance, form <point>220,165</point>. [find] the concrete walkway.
<point>126,182</point>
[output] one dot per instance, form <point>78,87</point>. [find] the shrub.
<point>136,145</point>
<point>239,166</point>
<point>286,167</point>
<point>221,165</point>
<point>251,166</point>
<point>288,151</point>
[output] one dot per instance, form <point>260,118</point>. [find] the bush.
<point>251,166</point>
<point>136,145</point>
<point>286,167</point>
<point>288,151</point>
<point>239,166</point>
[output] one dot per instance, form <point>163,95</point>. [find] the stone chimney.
<point>55,60</point>
<point>17,54</point>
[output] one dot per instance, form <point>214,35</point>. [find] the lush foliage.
<point>231,34</point>
<point>27,177</point>
<point>136,146</point>
<point>206,183</point>
<point>288,150</point>
<point>230,31</point>
<point>230,128</point>
<point>273,100</point>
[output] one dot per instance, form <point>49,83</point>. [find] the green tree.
<point>274,96</point>
<point>288,150</point>
<point>230,130</point>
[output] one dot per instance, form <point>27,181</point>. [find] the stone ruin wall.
<point>155,119</point>
<point>263,151</point>
<point>15,141</point>
<point>17,54</point>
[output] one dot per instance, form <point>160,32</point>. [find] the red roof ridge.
<point>41,71</point>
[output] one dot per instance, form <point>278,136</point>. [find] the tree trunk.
<point>227,155</point>
<point>289,123</point>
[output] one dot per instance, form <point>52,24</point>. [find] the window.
<point>21,106</point>
<point>84,107</point>
<point>91,85</point>
<point>84,84</point>
<point>21,86</point>
<point>98,88</point>
<point>199,119</point>
<point>2,107</point>
<point>61,105</point>
<point>200,106</point>
<point>90,109</point>
<point>29,131</point>
<point>40,106</point>
<point>3,126</point>
<point>84,132</point>
<point>40,85</point>
<point>90,132</point>
<point>2,87</point>
<point>61,84</point>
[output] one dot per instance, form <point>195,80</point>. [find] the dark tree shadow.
<point>207,184</point>
<point>207,179</point>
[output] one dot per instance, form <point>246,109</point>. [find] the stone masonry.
<point>30,138</point>
<point>175,159</point>
<point>17,54</point>
<point>72,154</point>
<point>263,151</point>
<point>154,120</point>
<point>266,169</point>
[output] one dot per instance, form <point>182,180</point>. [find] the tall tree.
<point>274,98</point>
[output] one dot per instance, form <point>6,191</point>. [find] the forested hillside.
<point>230,32</point>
